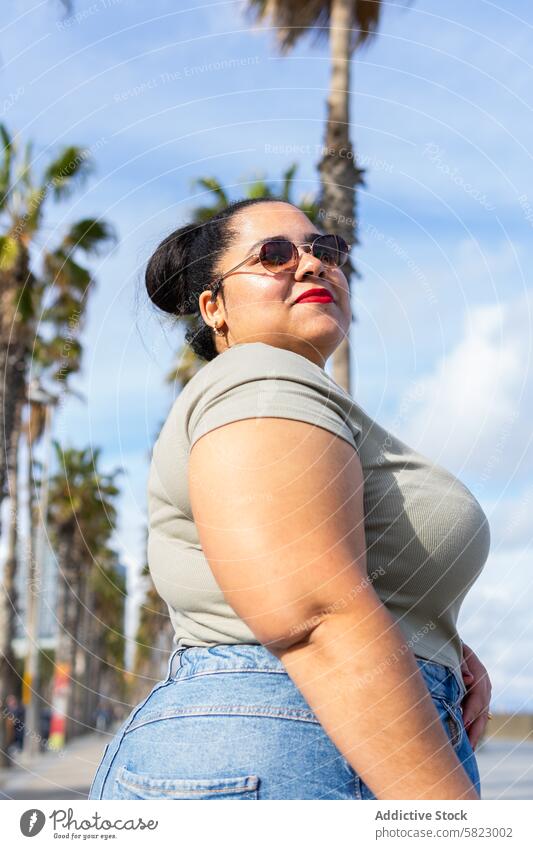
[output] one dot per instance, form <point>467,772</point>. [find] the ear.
<point>209,309</point>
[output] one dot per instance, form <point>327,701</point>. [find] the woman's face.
<point>259,305</point>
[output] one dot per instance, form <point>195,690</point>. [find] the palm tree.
<point>187,362</point>
<point>56,357</point>
<point>153,639</point>
<point>37,315</point>
<point>347,24</point>
<point>82,517</point>
<point>22,288</point>
<point>38,310</point>
<point>100,653</point>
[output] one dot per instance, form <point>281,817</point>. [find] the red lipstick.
<point>321,295</point>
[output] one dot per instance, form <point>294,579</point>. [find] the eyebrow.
<point>308,237</point>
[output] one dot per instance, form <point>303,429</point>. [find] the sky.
<point>166,92</point>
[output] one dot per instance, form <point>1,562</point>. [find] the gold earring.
<point>217,331</point>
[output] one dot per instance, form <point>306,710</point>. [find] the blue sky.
<point>166,92</point>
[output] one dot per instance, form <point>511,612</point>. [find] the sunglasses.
<point>282,255</point>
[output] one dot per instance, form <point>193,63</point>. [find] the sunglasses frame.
<point>215,286</point>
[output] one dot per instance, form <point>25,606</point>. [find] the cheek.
<point>343,288</point>
<point>344,299</point>
<point>258,293</point>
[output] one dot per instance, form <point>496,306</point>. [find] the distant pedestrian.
<point>45,717</point>
<point>102,717</point>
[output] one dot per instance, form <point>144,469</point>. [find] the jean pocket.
<point>452,719</point>
<point>134,785</point>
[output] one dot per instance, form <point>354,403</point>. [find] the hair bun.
<point>167,273</point>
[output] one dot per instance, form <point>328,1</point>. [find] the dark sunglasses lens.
<point>331,250</point>
<point>277,255</point>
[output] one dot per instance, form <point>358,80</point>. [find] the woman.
<point>312,563</point>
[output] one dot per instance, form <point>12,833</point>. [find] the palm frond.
<point>23,184</point>
<point>292,21</point>
<point>91,235</point>
<point>220,201</point>
<point>288,177</point>
<point>9,251</point>
<point>5,168</point>
<point>213,185</point>
<point>72,166</point>
<point>60,350</point>
<point>25,171</point>
<point>31,219</point>
<point>26,298</point>
<point>309,204</point>
<point>259,188</point>
<point>81,494</point>
<point>62,270</point>
<point>65,311</point>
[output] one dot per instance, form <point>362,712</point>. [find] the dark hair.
<point>183,265</point>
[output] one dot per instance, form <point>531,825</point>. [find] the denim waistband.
<point>195,660</point>
<point>190,661</point>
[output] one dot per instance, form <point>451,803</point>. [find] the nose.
<point>309,264</point>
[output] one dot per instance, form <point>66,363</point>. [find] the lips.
<point>317,294</point>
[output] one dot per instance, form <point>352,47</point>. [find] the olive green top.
<point>427,537</point>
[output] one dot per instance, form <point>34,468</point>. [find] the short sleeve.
<point>254,380</point>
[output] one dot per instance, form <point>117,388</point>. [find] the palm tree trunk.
<point>339,173</point>
<point>65,648</point>
<point>12,383</point>
<point>13,357</point>
<point>11,564</point>
<point>81,698</point>
<point>8,597</point>
<point>94,671</point>
<point>73,620</point>
<point>91,687</point>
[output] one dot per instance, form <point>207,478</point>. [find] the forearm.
<point>365,688</point>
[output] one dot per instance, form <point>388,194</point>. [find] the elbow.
<point>292,629</point>
<point>368,623</point>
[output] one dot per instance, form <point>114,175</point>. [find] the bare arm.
<point>279,508</point>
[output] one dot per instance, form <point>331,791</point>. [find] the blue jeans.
<point>229,723</point>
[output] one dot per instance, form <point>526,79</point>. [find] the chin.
<point>325,335</point>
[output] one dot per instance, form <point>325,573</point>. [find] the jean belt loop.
<point>174,663</point>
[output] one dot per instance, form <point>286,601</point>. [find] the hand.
<point>476,702</point>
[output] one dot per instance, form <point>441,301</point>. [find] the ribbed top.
<point>427,536</point>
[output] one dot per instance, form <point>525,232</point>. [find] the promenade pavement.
<point>55,775</point>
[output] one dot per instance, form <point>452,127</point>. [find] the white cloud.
<point>475,408</point>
